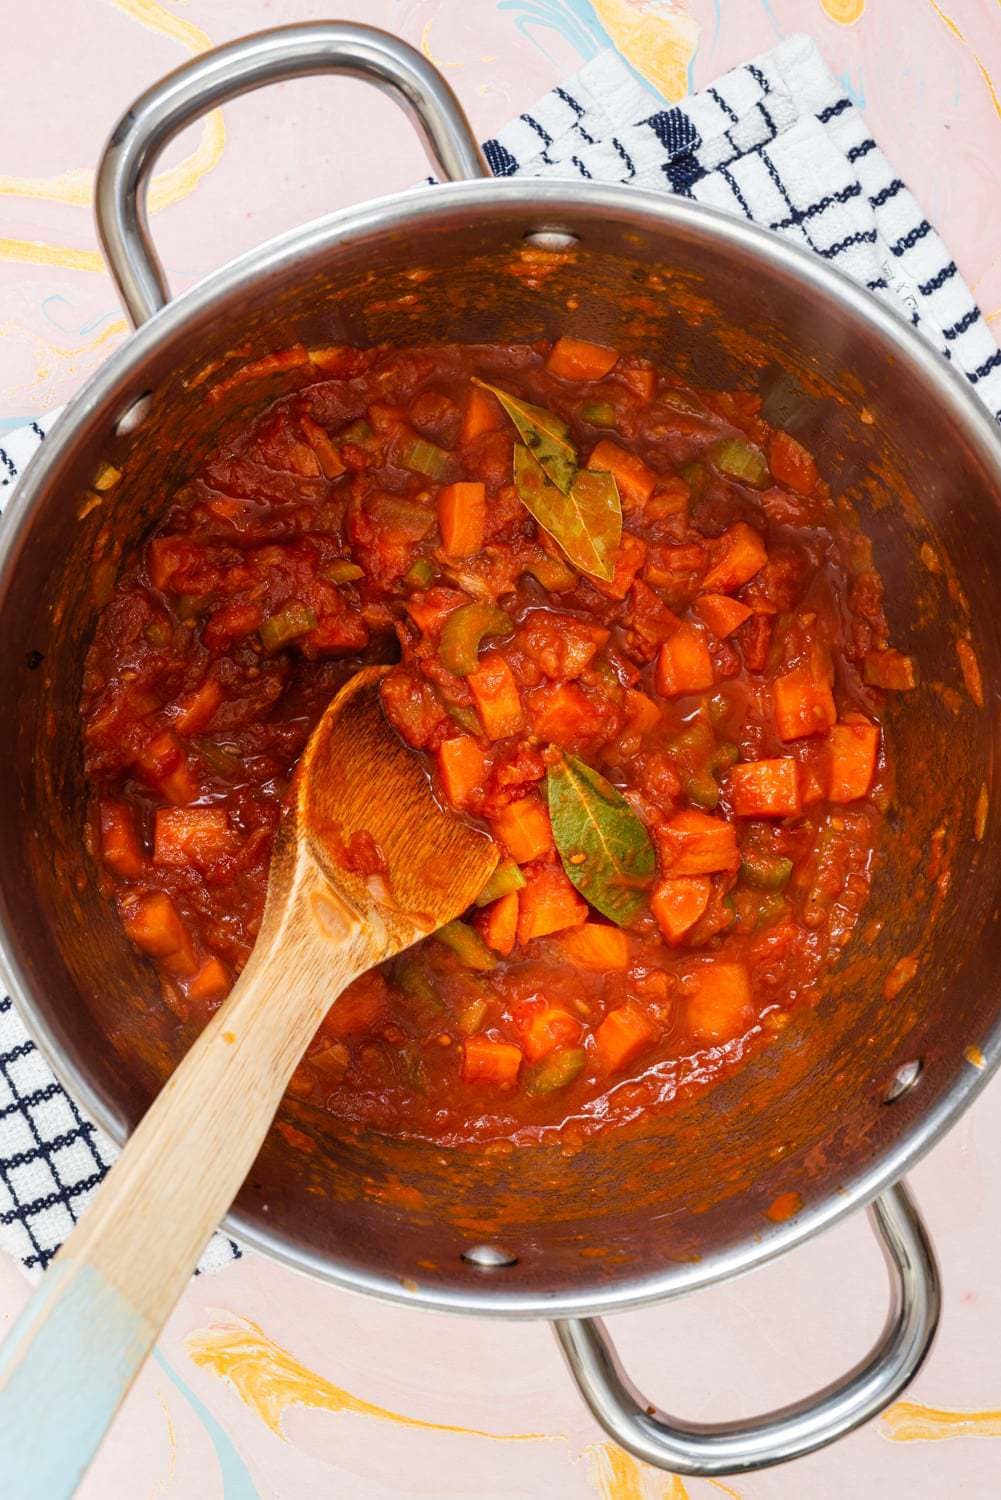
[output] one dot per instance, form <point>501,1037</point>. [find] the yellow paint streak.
<point>950,25</point>
<point>910,1422</point>
<point>164,1485</point>
<point>845,12</point>
<point>269,1380</point>
<point>658,37</point>
<point>76,186</point>
<point>619,1476</point>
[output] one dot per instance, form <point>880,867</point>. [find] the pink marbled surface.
<point>268,1418</point>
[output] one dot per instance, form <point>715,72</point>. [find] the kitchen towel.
<point>777,141</point>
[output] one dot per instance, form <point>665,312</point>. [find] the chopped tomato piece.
<point>891,670</point>
<point>719,1006</point>
<point>678,903</point>
<point>629,559</point>
<point>684,664</point>
<point>622,1035</point>
<point>163,764</point>
<point>430,608</point>
<point>635,480</point>
<point>523,827</point>
<point>597,946</point>
<point>120,848</point>
<point>803,705</point>
<point>548,903</point>
<point>361,1007</point>
<point>562,714</point>
<point>575,359</point>
<point>739,554</point>
<point>644,714</point>
<point>462,768</point>
<point>755,642</point>
<point>693,843</point>
<point>197,835</point>
<point>853,748</point>
<point>542,1028</point>
<point>791,464</point>
<point>486,1061</point>
<point>722,614</point>
<point>495,693</point>
<point>195,710</point>
<point>498,923</point>
<point>766,789</point>
<point>462,518</point>
<point>210,981</point>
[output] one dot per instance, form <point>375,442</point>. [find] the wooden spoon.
<point>83,1337</point>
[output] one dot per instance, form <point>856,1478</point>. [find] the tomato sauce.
<point>634,639</point>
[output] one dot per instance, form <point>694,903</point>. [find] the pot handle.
<point>710,1449</point>
<point>237,68</point>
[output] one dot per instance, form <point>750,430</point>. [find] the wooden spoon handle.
<point>81,1340</point>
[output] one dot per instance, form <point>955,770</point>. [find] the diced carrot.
<point>766,789</point>
<point>462,517</point>
<point>693,843</point>
<point>791,464</point>
<point>643,713</point>
<point>163,764</point>
<point>629,558</point>
<point>575,359</point>
<point>635,481</point>
<point>462,768</point>
<point>803,705</point>
<point>722,614</point>
<point>640,380</point>
<point>195,710</point>
<point>482,414</point>
<point>485,1061</point>
<point>622,1035</point>
<point>684,664</point>
<point>891,670</point>
<point>197,835</point>
<point>739,554</point>
<point>210,981</point>
<point>543,1027</point>
<point>495,694</point>
<point>597,946</point>
<point>120,847</point>
<point>678,903</point>
<point>330,460</point>
<point>523,827</point>
<point>548,903</point>
<point>154,925</point>
<point>498,923</point>
<point>853,747</point>
<point>562,714</point>
<point>719,1006</point>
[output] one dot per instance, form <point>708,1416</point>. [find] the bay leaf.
<point>604,847</point>
<point>587,522</point>
<point>545,435</point>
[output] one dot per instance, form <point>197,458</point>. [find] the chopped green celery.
<point>507,877</point>
<point>471,1014</point>
<point>463,631</point>
<point>414,1070</point>
<point>413,980</point>
<point>342,570</point>
<point>466,718</point>
<point>552,573</point>
<point>224,762</point>
<point>555,1072</point>
<point>765,872</point>
<point>466,943</point>
<point>598,413</point>
<point>679,400</point>
<point>425,458</point>
<point>724,756</point>
<point>741,460</point>
<point>696,476</point>
<point>419,574</point>
<point>701,790</point>
<point>360,433</point>
<point>697,737</point>
<point>288,624</point>
<point>771,909</point>
<point>719,707</point>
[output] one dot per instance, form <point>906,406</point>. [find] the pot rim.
<point>547,204</point>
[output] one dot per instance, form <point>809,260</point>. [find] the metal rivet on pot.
<point>551,239</point>
<point>134,416</point>
<point>489,1257</point>
<point>903,1079</point>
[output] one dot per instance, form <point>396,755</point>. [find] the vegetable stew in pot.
<point>634,638</point>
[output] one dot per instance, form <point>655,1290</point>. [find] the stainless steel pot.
<point>825,1112</point>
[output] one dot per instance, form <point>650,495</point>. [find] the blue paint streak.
<point>855,92</point>
<point>767,8</point>
<point>10,424</point>
<point>236,1481</point>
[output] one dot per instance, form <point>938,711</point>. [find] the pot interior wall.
<point>806,1114</point>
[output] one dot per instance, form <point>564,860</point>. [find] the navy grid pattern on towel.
<point>776,141</point>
